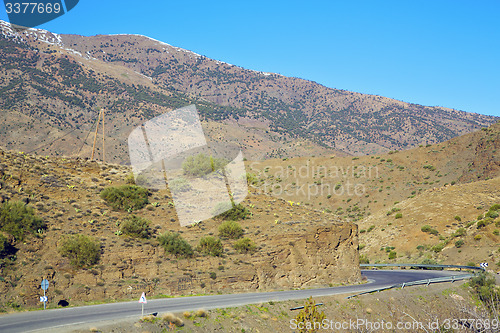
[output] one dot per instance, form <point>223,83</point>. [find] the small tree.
<point>309,317</point>
<point>82,250</point>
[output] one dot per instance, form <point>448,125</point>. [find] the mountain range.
<point>52,87</point>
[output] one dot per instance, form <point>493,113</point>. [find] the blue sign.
<point>45,284</point>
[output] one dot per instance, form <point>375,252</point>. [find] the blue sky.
<point>441,52</point>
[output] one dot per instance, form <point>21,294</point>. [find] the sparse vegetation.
<point>201,165</point>
<point>126,197</point>
<point>82,250</point>
<point>245,245</point>
<point>174,244</point>
<point>309,315</point>
<point>210,245</point>
<point>230,229</point>
<point>136,226</point>
<point>227,211</point>
<point>18,219</point>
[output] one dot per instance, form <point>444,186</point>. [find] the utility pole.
<point>101,112</point>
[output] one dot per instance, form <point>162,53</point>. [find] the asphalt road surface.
<point>57,319</point>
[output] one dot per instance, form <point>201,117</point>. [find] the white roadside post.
<point>143,301</point>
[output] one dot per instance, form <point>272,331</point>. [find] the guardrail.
<point>452,279</point>
<point>422,266</point>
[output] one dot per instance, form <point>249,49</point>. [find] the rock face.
<point>296,247</point>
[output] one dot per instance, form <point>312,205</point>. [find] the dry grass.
<point>171,318</point>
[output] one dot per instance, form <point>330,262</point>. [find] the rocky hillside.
<point>447,186</point>
<point>295,247</point>
<point>52,85</point>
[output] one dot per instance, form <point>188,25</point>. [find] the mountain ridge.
<point>137,77</point>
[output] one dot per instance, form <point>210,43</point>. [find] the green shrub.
<point>363,259</point>
<point>458,218</point>
<point>3,245</point>
<point>245,245</point>
<point>392,255</point>
<point>439,247</point>
<point>434,232</point>
<point>398,216</point>
<point>495,207</point>
<point>210,245</point>
<point>459,243</point>
<point>459,233</point>
<point>370,228</point>
<point>82,250</point>
<point>478,237</point>
<point>393,210</point>
<point>230,229</point>
<point>481,224</point>
<point>484,286</point>
<point>174,244</point>
<point>227,211</point>
<point>426,228</point>
<point>125,197</point>
<point>18,219</point>
<point>201,165</point>
<point>308,316</point>
<point>179,185</point>
<point>136,227</point>
<point>492,214</point>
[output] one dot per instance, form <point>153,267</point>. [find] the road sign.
<point>143,299</point>
<point>483,265</point>
<point>45,284</point>
<point>43,298</point>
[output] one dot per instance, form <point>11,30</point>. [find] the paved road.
<point>49,320</point>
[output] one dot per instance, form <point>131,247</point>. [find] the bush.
<point>245,245</point>
<point>495,207</point>
<point>82,250</point>
<point>230,229</point>
<point>459,243</point>
<point>426,228</point>
<point>484,285</point>
<point>392,255</point>
<point>136,227</point>
<point>18,219</point>
<point>398,216</point>
<point>492,214</point>
<point>308,316</point>
<point>458,218</point>
<point>210,245</point>
<point>174,244</point>
<point>3,245</point>
<point>363,259</point>
<point>439,247</point>
<point>179,185</point>
<point>227,211</point>
<point>125,197</point>
<point>201,165</point>
<point>481,224</point>
<point>478,237</point>
<point>460,232</point>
